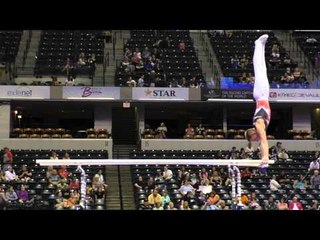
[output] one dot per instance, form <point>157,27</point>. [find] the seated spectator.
<point>171,206</point>
<point>215,178</point>
<point>54,178</point>
<point>275,51</point>
<point>189,130</point>
<point>151,183</point>
<point>200,130</point>
<point>245,174</point>
<point>60,201</point>
<point>244,61</point>
<point>194,181</point>
<point>23,194</point>
<point>11,195</point>
<point>235,62</point>
<point>282,205</point>
<point>141,81</point>
<point>182,45</point>
<point>203,174</point>
<point>158,176</point>
<point>145,53</point>
<point>154,198</point>
<point>3,198</point>
<point>63,173</point>
<point>244,199</point>
<point>165,199</point>
<point>213,201</point>
<point>271,205</point>
<point>72,200</point>
<point>69,81</point>
<point>254,203</point>
<point>49,172</point>
<point>24,174</point>
<point>10,174</point>
<point>185,206</point>
<point>167,173</point>
<point>131,82</point>
<point>81,60</point>
<point>186,187</point>
<point>283,178</point>
<point>140,184</point>
<point>157,206</point>
<point>100,193</point>
<point>283,155</point>
<point>274,185</point>
<point>205,181</point>
<point>54,156</point>
<point>249,150</point>
<point>74,183</point>
<point>222,205</point>
<point>295,204</point>
<point>300,183</point>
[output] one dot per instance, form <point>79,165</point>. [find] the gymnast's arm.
<point>264,146</point>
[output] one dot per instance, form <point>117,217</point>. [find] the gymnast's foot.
<point>262,39</point>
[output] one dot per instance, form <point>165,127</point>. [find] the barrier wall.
<point>224,144</point>
<point>85,144</point>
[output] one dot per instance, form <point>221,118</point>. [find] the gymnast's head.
<point>251,135</point>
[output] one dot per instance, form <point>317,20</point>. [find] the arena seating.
<point>9,45</point>
<point>43,193</point>
<point>56,46</point>
<point>258,184</point>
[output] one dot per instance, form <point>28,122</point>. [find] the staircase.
<point>113,201</point>
<point>113,53</point>
<point>124,126</point>
<point>125,180</point>
<point>26,68</point>
<point>207,58</point>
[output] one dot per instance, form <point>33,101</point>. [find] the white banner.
<point>294,95</point>
<point>24,92</point>
<point>87,92</point>
<point>160,93</point>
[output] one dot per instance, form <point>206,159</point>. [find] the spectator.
<point>157,206</point>
<point>162,130</point>
<point>182,45</point>
<point>154,198</point>
<point>63,173</point>
<point>7,158</point>
<point>54,156</point>
<point>24,174</point>
<point>185,206</point>
<point>23,194</point>
<point>11,194</point>
<point>315,179</point>
<point>100,193</point>
<point>271,205</point>
<point>249,150</point>
<point>139,184</point>
<point>74,184</point>
<point>282,205</point>
<point>49,172</point>
<point>295,204</point>
<point>254,204</point>
<point>165,199</point>
<point>300,183</point>
<point>200,130</point>
<point>314,165</point>
<point>167,173</point>
<point>245,174</point>
<point>3,199</point>
<point>283,155</point>
<point>282,178</point>
<point>131,82</point>
<point>54,178</point>
<point>189,130</point>
<point>186,187</point>
<point>171,206</point>
<point>10,174</point>
<point>151,183</point>
<point>274,185</point>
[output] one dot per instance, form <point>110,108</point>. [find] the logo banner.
<point>24,92</point>
<point>88,92</point>
<point>160,93</point>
